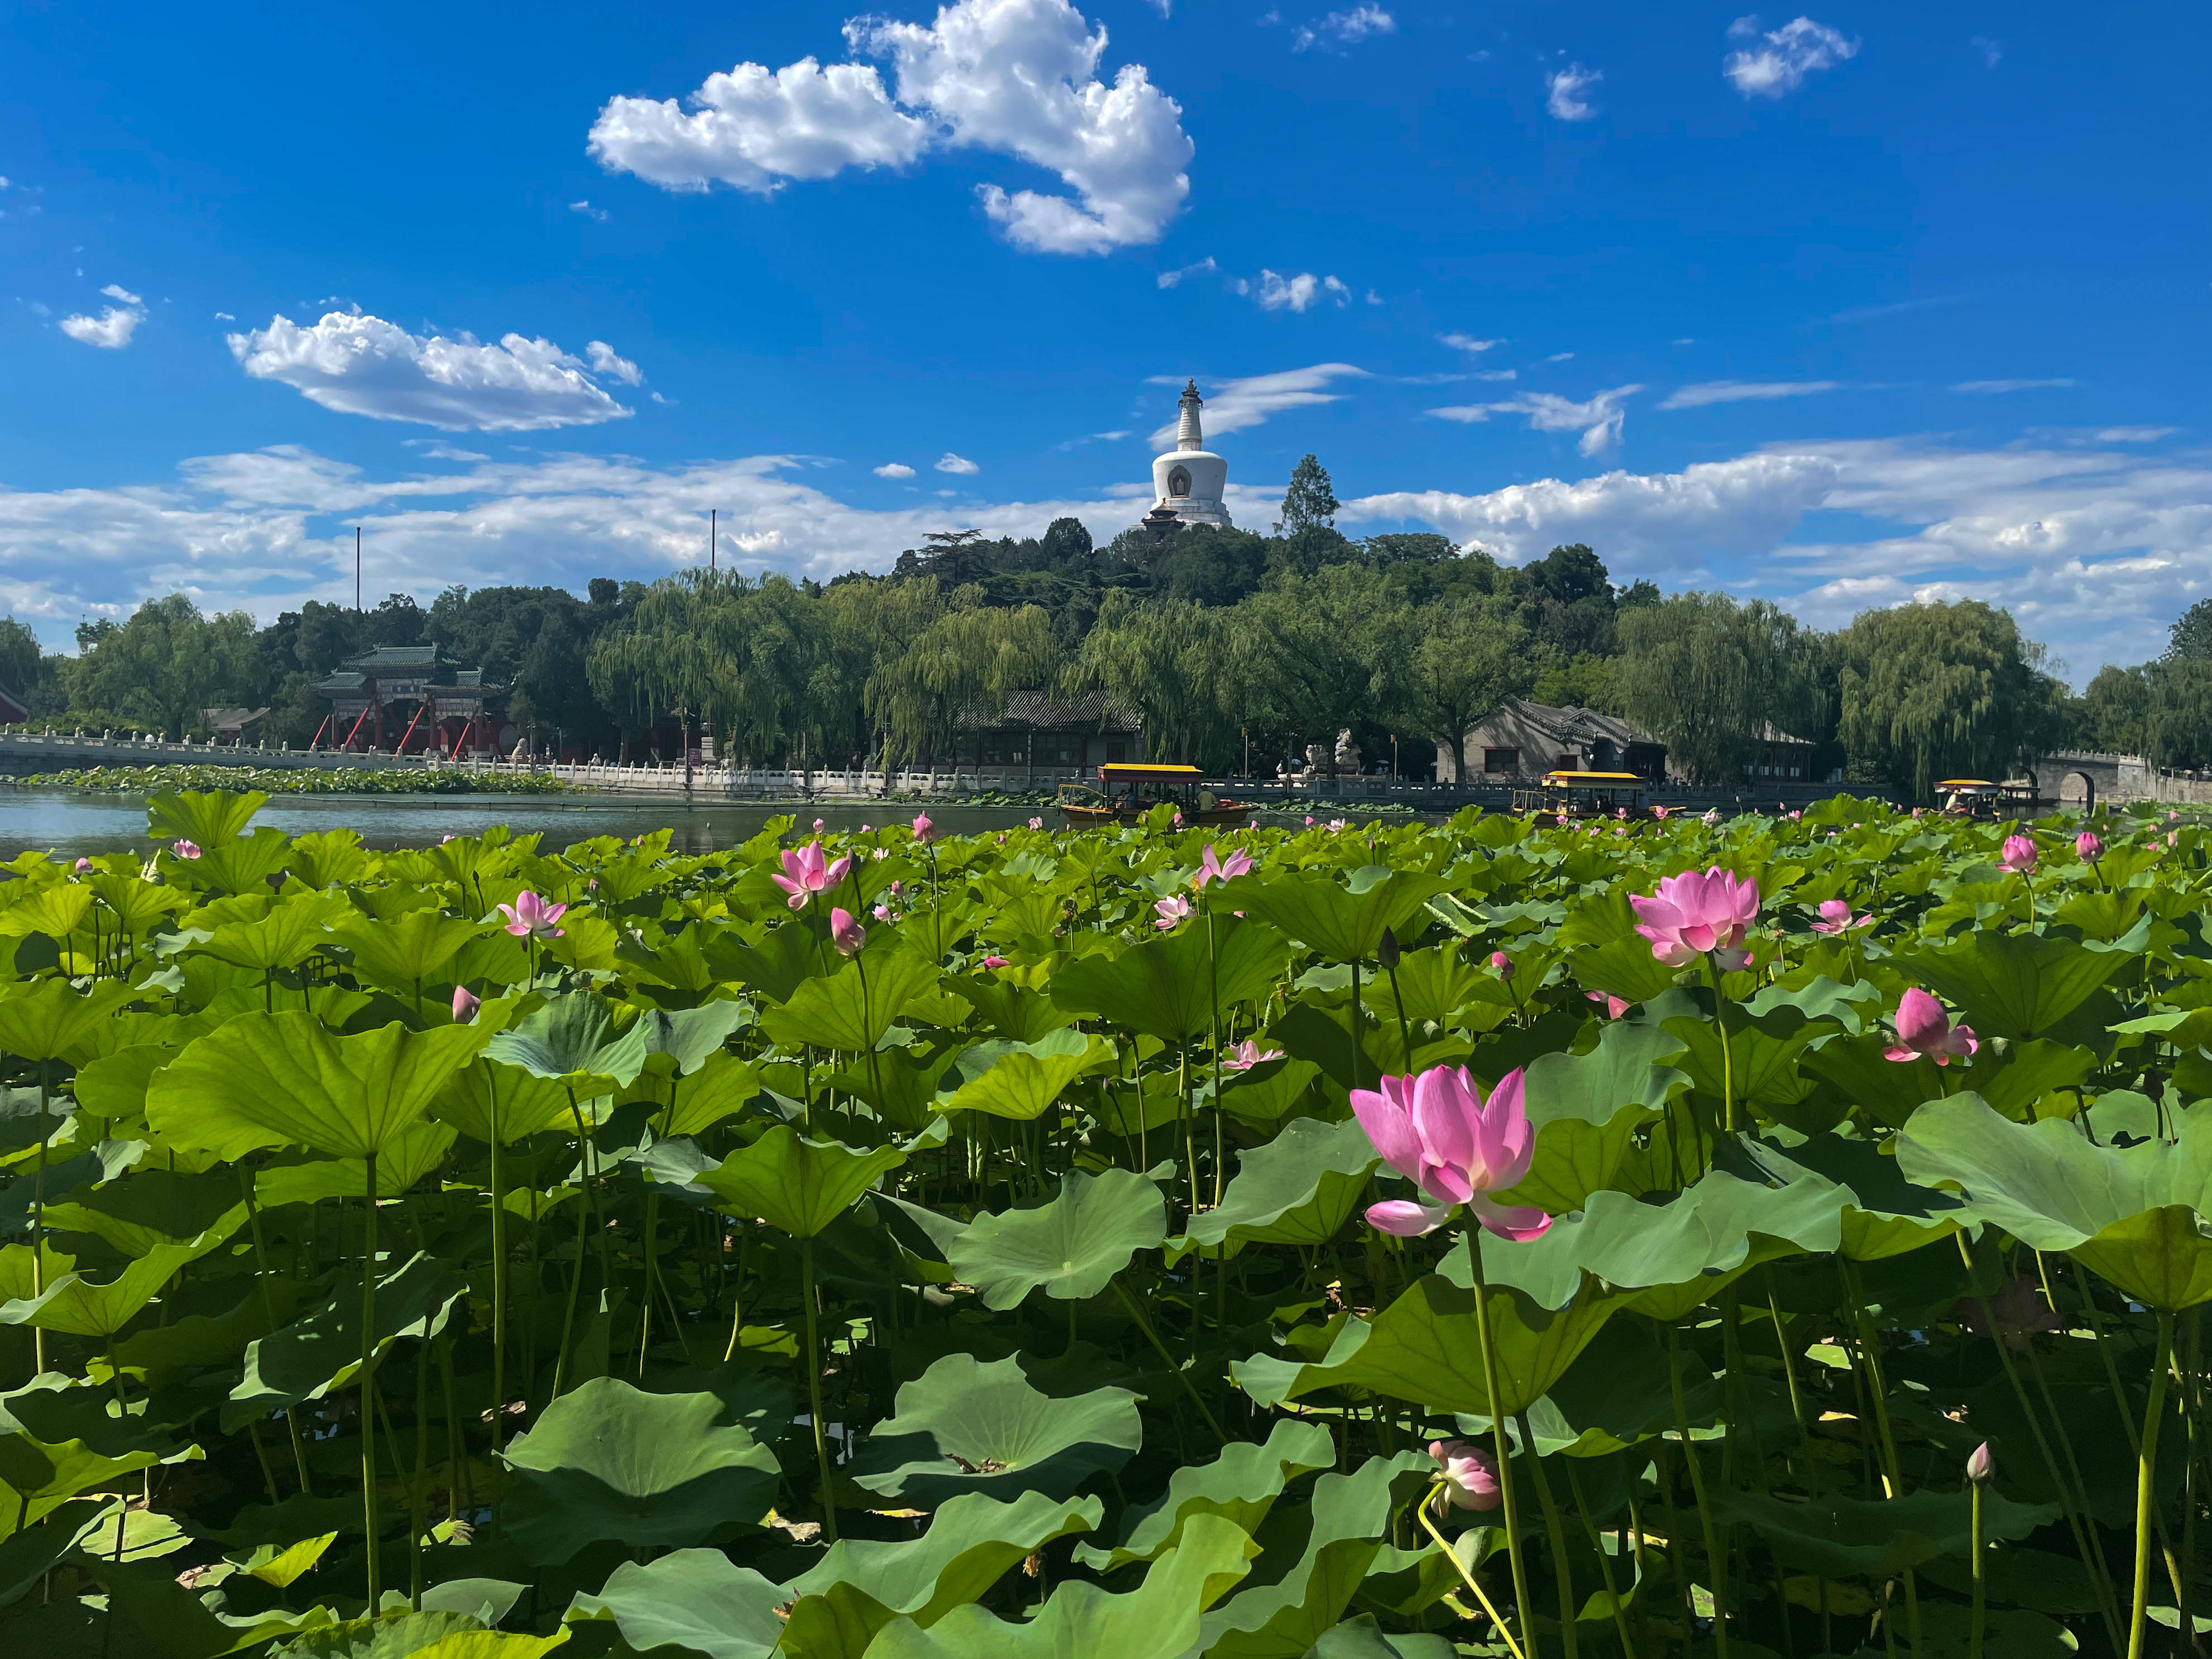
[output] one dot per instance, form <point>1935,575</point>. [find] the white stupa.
<point>1189,480</point>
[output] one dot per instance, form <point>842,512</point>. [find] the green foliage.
<point>1712,678</point>
<point>720,1295</point>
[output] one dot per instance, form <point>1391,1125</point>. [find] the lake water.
<point>70,825</point>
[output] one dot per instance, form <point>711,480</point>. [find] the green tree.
<point>164,665</point>
<point>1930,691</point>
<point>2115,711</point>
<point>2190,638</point>
<point>1708,677</point>
<point>2178,723</point>
<point>1312,652</point>
<point>1310,501</point>
<point>968,661</point>
<point>19,657</point>
<point>1167,661</point>
<point>1469,653</point>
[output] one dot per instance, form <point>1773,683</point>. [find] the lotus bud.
<point>846,932</point>
<point>2087,847</point>
<point>1981,1468</point>
<point>1387,953</point>
<point>83,867</point>
<point>465,1004</point>
<point>1502,962</point>
<point>922,827</point>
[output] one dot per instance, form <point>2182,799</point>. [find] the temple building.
<point>1187,481</point>
<point>410,698</point>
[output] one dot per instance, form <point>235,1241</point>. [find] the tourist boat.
<point>1972,798</point>
<point>1125,792</point>
<point>1562,795</point>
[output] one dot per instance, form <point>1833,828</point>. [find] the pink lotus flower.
<point>1620,812</point>
<point>2019,858</point>
<point>1171,910</point>
<point>806,871</point>
<point>1210,868</point>
<point>882,913</point>
<point>185,849</point>
<point>1712,814</point>
<point>1981,1467</point>
<point>1614,1007</point>
<point>846,932</point>
<point>995,962</point>
<point>817,826</point>
<point>1794,816</point>
<point>923,828</point>
<point>1690,915</point>
<point>1037,823</point>
<point>531,917</point>
<point>1309,820</point>
<point>1923,1028</point>
<point>1246,1055</point>
<point>1663,813</point>
<point>1469,1474</point>
<point>1178,819</point>
<point>83,865</point>
<point>2019,1312</point>
<point>1836,917</point>
<point>1502,962</point>
<point>1438,1132</point>
<point>2087,848</point>
<point>465,1004</point>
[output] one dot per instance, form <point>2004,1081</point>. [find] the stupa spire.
<point>1188,434</point>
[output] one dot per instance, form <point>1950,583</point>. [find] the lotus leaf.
<point>1299,1189</point>
<point>691,1600</point>
<point>966,1427</point>
<point>1240,1486</point>
<point>1072,1248</point>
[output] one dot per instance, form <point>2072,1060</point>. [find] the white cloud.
<point>1469,342</point>
<point>1495,374</point>
<point>2132,435</point>
<point>1560,357</point>
<point>1205,267</point>
<point>895,470</point>
<point>362,365</point>
<point>1373,298</point>
<point>1599,419</point>
<point>1344,28</point>
<point>588,211</point>
<point>112,329</point>
<point>1777,60</point>
<point>605,360</point>
<point>1992,52</point>
<point>950,462</point>
<point>1275,292</point>
<point>224,317</point>
<point>1565,91</point>
<point>1737,392</point>
<point>1988,387</point>
<point>1233,405</point>
<point>1012,77</point>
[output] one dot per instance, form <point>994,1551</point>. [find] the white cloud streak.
<point>1738,391</point>
<point>1989,387</point>
<point>1776,61</point>
<point>1344,28</point>
<point>1599,419</point>
<point>1565,91</point>
<point>950,462</point>
<point>1234,406</point>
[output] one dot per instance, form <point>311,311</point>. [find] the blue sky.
<point>1837,308</point>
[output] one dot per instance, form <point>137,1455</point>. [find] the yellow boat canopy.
<point>1130,772</point>
<point>1593,777</point>
<point>1965,783</point>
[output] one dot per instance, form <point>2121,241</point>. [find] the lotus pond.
<point>1781,1236</point>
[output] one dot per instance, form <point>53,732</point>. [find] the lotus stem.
<point>1981,1610</point>
<point>1182,1377</point>
<point>1715,1560</point>
<point>1604,1561</point>
<point>1494,1394</point>
<point>1467,1578</point>
<point>367,1398</point>
<point>2146,1473</point>
<point>1877,1386</point>
<point>1555,1535</point>
<point>269,1312</point>
<point>1728,1059</point>
<point>498,1267</point>
<point>814,1388</point>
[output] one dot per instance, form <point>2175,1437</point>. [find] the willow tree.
<point>1709,677</point>
<point>1167,661</point>
<point>966,661</point>
<point>1930,691</point>
<point>1312,654</point>
<point>738,652</point>
<point>1464,654</point>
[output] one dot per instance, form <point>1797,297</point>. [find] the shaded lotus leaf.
<point>282,1079</point>
<point>607,1462</point>
<point>240,867</point>
<point>694,1600</point>
<point>153,1206</point>
<point>26,1556</point>
<point>490,1600</point>
<point>1312,1558</point>
<point>1422,1348</point>
<point>1158,1619</point>
<point>1362,1639</point>
<point>321,1352</point>
<point>783,959</point>
<point>1021,1080</point>
<point>285,937</point>
<point>1884,1213</point>
<point>524,1103</point>
<point>1586,1110</point>
<point>401,1634</point>
<point>1839,1537</point>
<point>75,1306</point>
<point>2135,1214</point>
<point>410,1158</point>
<point>704,1095</point>
<point>46,1018</point>
<point>157,1617</point>
<point>859,1586</point>
<point>1299,1189</point>
<point>1012,1006</point>
<point>1241,1485</point>
<point>573,1038</point>
<point>1616,1395</point>
<point>963,1425</point>
<point>1270,1091</point>
<point>901,1084</point>
<point>850,1010</point>
<point>1344,923</point>
<point>1623,967</point>
<point>1072,1246</point>
<point>797,1185</point>
<point>2011,984</point>
<point>1860,1070</point>
<point>1170,988</point>
<point>43,1478</point>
